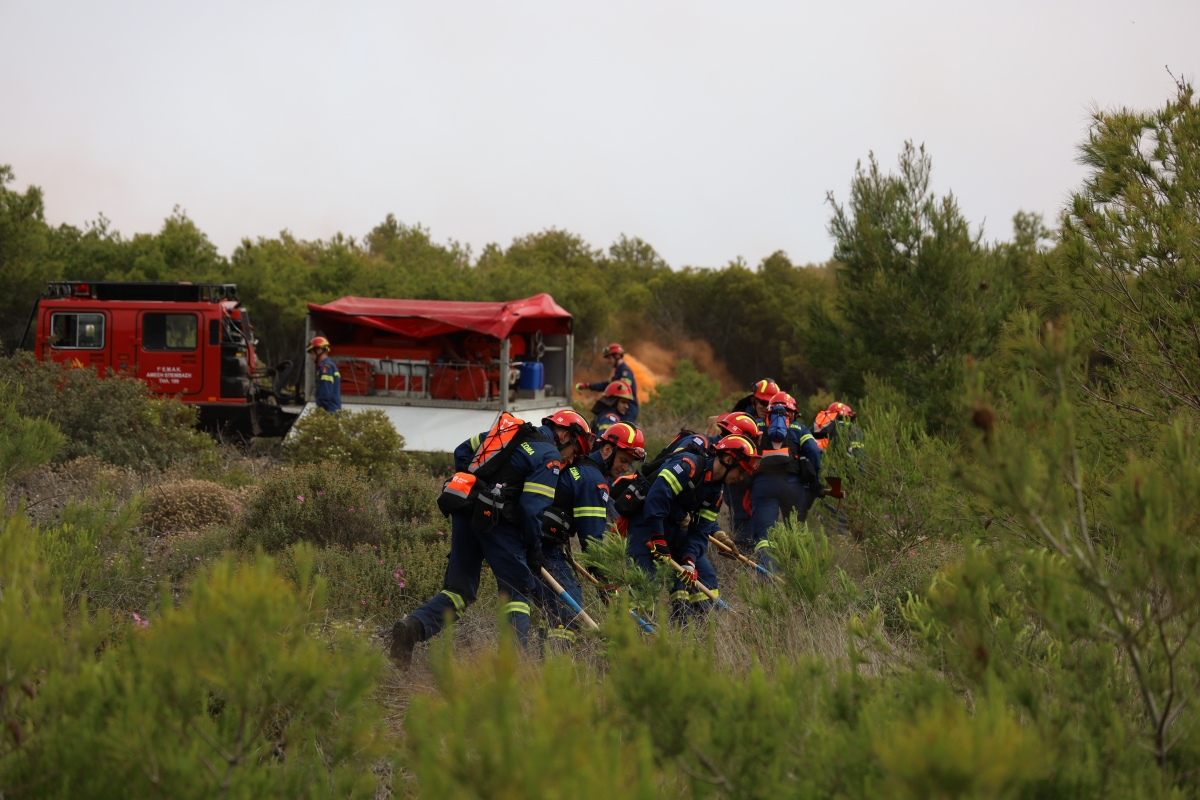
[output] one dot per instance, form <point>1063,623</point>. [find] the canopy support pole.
<point>504,348</point>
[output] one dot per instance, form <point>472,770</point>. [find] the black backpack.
<point>629,491</point>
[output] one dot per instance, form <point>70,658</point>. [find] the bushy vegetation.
<point>1004,604</point>
<point>115,419</point>
<point>188,505</point>
<point>366,440</point>
<point>319,503</point>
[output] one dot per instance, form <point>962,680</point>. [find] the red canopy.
<point>424,318</point>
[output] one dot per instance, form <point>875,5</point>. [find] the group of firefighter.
<point>521,492</point>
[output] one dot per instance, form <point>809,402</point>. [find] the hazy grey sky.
<point>712,130</point>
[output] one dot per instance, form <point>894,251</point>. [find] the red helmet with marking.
<point>738,423</point>
<point>316,343</point>
<point>574,423</point>
<point>613,349</point>
<point>785,400</point>
<point>744,453</point>
<point>619,389</point>
<point>765,390</point>
<point>842,410</point>
<point>624,436</point>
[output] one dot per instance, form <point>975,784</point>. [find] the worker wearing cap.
<point>614,354</point>
<point>328,394</point>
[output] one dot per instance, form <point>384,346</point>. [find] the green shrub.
<point>412,494</point>
<point>93,548</point>
<point>363,439</point>
<point>230,695</point>
<point>187,505</point>
<point>24,443</point>
<point>380,581</point>
<point>319,503</point>
<point>115,419</point>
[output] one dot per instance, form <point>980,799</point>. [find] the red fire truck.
<point>190,340</point>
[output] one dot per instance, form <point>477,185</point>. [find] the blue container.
<point>533,376</point>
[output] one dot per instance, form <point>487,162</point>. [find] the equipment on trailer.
<point>441,370</point>
<point>193,341</point>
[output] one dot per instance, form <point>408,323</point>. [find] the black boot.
<point>405,635</point>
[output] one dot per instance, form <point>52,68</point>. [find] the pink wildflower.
<point>141,623</point>
<point>320,493</point>
<point>401,584</point>
<point>237,508</point>
<point>300,497</point>
<point>441,533</point>
<point>364,602</point>
<point>351,509</point>
<point>197,558</point>
<point>396,575</point>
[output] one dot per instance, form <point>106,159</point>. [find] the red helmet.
<point>744,453</point>
<point>613,349</point>
<point>317,343</point>
<point>576,424</point>
<point>783,399</point>
<point>626,437</point>
<point>619,389</point>
<point>738,423</point>
<point>765,390</point>
<point>842,410</point>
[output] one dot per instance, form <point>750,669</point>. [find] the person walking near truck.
<point>328,393</point>
<point>614,354</point>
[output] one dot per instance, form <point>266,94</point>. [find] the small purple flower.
<point>887,516</point>
<point>320,493</point>
<point>396,575</point>
<point>401,584</point>
<point>141,623</point>
<point>237,508</point>
<point>300,497</point>
<point>351,509</point>
<point>364,602</point>
<point>197,558</point>
<point>441,533</point>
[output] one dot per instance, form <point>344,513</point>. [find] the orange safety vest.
<point>824,418</point>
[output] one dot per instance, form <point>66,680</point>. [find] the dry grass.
<point>189,505</point>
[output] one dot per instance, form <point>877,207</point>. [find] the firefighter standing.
<point>787,481</point>
<point>513,547</point>
<point>687,491</point>
<point>580,508</point>
<point>614,354</point>
<point>328,393</point>
<point>612,406</point>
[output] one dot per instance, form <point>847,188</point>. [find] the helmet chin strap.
<point>608,462</point>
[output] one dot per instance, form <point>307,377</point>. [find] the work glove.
<point>535,558</point>
<point>689,570</point>
<point>659,549</point>
<point>581,386</point>
<point>723,538</point>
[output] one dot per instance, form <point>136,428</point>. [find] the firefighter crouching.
<point>679,512</point>
<point>614,354</point>
<point>328,392</point>
<point>505,479</point>
<point>788,478</point>
<point>580,508</point>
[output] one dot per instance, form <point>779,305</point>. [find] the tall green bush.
<point>325,504</point>
<point>366,440</point>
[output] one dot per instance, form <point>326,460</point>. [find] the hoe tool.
<point>709,593</point>
<point>724,543</point>
<point>646,626</point>
<point>570,601</point>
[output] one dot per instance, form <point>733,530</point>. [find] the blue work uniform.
<point>683,488</point>
<point>504,547</point>
<point>605,421</point>
<point>625,373</point>
<point>783,484</point>
<point>328,394</point>
<point>741,522</point>
<point>583,495</point>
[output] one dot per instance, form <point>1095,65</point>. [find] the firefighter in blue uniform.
<point>580,508</point>
<point>328,392</point>
<point>788,477</point>
<point>611,406</point>
<point>615,355</point>
<point>512,547</point>
<point>741,527</point>
<point>680,513</point>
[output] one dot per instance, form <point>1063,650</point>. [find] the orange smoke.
<point>654,364</point>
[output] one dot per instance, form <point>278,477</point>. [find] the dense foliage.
<point>1006,603</point>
